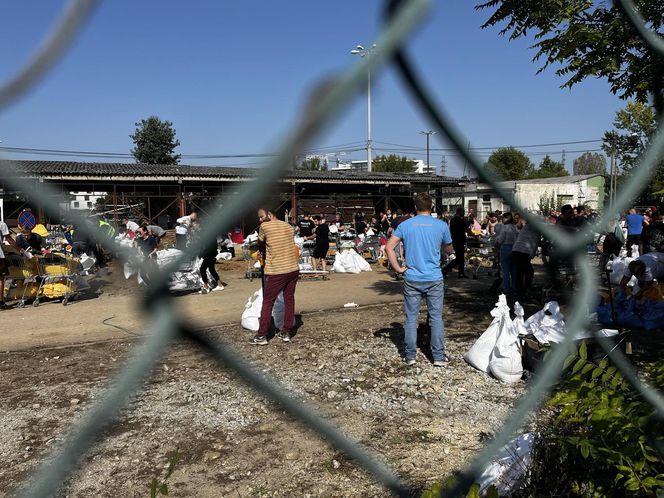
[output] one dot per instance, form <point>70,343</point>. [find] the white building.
<point>587,190</point>
<point>361,165</point>
<point>84,200</point>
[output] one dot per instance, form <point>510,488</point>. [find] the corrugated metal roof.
<point>119,170</point>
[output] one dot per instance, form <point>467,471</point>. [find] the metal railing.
<point>327,102</point>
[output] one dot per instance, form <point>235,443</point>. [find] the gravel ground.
<point>424,422</point>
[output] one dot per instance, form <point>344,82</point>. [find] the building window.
<point>76,204</point>
<point>89,204</point>
<point>86,198</point>
<point>486,197</point>
<point>565,199</point>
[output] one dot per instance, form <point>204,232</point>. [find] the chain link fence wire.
<point>326,103</point>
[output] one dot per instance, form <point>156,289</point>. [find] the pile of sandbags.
<point>498,350</point>
<point>349,261</point>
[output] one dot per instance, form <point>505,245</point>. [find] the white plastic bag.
<point>508,466</point>
<point>350,262</point>
<point>505,363</point>
<point>519,323</point>
<point>548,324</point>
<point>252,311</point>
<point>224,256</point>
<point>479,355</point>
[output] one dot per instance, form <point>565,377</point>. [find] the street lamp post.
<point>364,52</point>
<point>428,134</point>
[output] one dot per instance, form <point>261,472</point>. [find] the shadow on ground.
<point>387,287</point>
<point>395,333</point>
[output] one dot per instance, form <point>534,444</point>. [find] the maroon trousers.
<point>274,284</point>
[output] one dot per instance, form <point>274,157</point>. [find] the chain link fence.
<point>327,102</point>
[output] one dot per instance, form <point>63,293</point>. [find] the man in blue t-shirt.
<point>634,229</point>
<point>423,237</point>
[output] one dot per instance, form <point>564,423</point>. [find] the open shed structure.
<point>161,193</point>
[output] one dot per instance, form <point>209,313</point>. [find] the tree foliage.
<point>633,127</point>
<point>549,168</point>
<point>510,164</point>
<point>583,38</point>
<point>314,163</point>
<point>155,142</point>
<point>393,163</point>
<point>590,163</point>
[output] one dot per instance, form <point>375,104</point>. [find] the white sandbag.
<point>548,324</point>
<point>519,323</point>
<point>167,256</point>
<point>129,270</point>
<point>617,267</point>
<point>224,256</point>
<point>479,355</point>
<point>505,363</point>
<point>278,311</point>
<point>87,262</point>
<point>182,281</point>
<point>251,238</point>
<point>509,466</point>
<point>252,311</point>
<point>350,262</point>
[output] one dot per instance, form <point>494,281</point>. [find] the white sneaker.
<point>218,288</point>
<point>204,290</point>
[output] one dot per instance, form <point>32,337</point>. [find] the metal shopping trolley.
<point>307,271</point>
<point>59,273</point>
<point>251,254</point>
<point>22,283</point>
<point>480,257</point>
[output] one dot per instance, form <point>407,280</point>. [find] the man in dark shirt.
<point>458,228</point>
<point>322,237</point>
<point>305,226</point>
<point>360,226</point>
<point>147,244</point>
<point>653,235</point>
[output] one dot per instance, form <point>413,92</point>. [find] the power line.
<point>576,142</point>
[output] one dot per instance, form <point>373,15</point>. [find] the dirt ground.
<point>425,423</point>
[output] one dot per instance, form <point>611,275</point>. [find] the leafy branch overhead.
<point>583,38</point>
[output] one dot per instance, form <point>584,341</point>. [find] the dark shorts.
<point>4,269</point>
<point>320,251</point>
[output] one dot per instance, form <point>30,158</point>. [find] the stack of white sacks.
<point>618,264</point>
<point>498,349</point>
<point>349,261</point>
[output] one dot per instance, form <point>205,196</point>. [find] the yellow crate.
<point>58,289</point>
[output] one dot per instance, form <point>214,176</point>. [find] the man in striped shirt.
<point>282,270</point>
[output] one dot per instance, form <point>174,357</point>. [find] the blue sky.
<point>232,77</point>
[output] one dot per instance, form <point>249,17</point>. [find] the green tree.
<point>510,164</point>
<point>314,163</point>
<point>634,126</point>
<point>590,163</point>
<point>549,168</point>
<point>584,38</point>
<point>155,142</point>
<point>393,163</point>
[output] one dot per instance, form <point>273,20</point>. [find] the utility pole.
<point>428,134</point>
<point>366,52</point>
<point>443,166</point>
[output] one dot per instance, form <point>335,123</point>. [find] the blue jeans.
<point>413,292</point>
<point>506,268</point>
